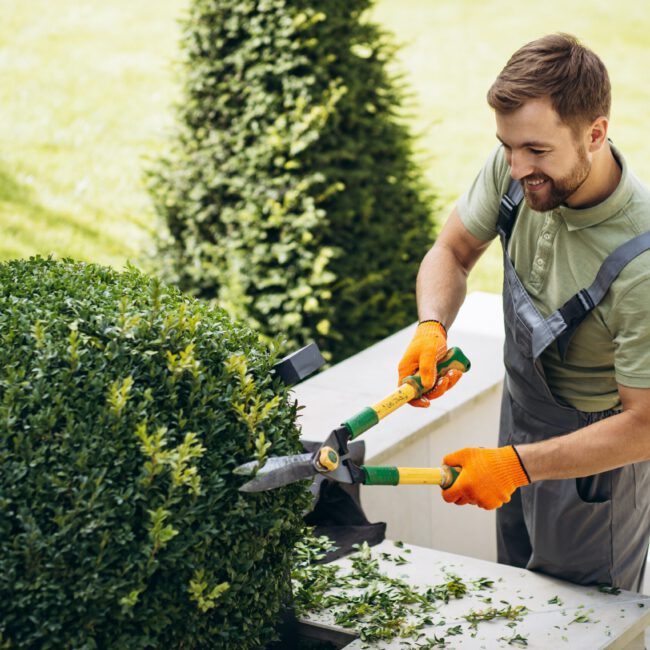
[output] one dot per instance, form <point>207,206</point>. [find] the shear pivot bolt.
<point>328,459</point>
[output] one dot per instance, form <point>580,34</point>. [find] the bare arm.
<point>616,441</point>
<point>442,278</point>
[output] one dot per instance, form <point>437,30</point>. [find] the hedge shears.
<point>332,458</point>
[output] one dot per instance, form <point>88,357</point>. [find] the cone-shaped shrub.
<point>290,192</point>
<point>124,408</point>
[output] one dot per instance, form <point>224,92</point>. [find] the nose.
<point>520,165</point>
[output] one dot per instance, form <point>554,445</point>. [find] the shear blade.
<point>277,471</point>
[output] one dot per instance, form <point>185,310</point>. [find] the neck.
<point>601,182</point>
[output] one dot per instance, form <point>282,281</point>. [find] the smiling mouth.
<point>534,184</point>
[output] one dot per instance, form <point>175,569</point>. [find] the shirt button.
<point>547,236</point>
<point>540,261</point>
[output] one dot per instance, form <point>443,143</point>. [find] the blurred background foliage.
<point>88,88</point>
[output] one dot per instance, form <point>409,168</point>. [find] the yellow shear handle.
<point>422,475</point>
<point>405,393</point>
<point>443,476</point>
<point>412,386</point>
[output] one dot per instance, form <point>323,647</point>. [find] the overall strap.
<point>508,209</point>
<point>575,310</point>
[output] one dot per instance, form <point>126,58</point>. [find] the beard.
<point>558,190</point>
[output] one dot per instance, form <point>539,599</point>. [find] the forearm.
<point>613,442</point>
<point>440,289</point>
<point>442,278</point>
<point>441,286</point>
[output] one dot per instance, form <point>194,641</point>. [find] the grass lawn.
<point>85,98</point>
<point>87,90</point>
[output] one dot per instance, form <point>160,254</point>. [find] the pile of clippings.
<point>380,607</point>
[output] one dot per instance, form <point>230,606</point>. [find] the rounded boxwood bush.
<point>124,407</point>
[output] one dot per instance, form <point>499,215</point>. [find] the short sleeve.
<point>479,206</point>
<point>630,324</point>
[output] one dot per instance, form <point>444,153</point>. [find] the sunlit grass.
<point>88,85</point>
<point>88,97</point>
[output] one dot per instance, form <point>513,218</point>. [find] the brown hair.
<point>559,67</point>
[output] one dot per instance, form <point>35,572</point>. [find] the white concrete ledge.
<point>465,416</point>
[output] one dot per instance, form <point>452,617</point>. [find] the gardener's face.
<point>543,153</point>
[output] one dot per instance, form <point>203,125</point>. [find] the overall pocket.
<point>571,538</point>
<point>596,488</point>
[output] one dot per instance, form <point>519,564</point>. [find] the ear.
<point>597,134</point>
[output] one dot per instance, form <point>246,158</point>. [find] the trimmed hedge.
<point>290,192</point>
<point>124,408</point>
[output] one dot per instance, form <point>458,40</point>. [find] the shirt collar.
<point>577,219</point>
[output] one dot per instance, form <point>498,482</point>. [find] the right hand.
<point>429,345</point>
<point>488,477</point>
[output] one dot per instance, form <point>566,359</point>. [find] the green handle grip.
<point>373,475</point>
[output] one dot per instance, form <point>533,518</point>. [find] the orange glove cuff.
<point>488,477</point>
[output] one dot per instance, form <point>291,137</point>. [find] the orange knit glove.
<point>488,476</point>
<point>443,384</point>
<point>429,345</point>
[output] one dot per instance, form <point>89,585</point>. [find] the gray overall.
<point>588,530</point>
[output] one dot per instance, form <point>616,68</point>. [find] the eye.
<point>538,152</point>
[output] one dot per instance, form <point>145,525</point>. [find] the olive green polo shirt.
<point>556,254</point>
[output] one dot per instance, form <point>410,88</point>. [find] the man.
<point>570,475</point>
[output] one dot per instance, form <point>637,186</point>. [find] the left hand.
<point>428,347</point>
<point>488,477</point>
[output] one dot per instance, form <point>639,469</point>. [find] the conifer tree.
<point>290,192</point>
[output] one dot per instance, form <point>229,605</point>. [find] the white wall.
<point>465,416</point>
